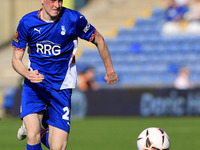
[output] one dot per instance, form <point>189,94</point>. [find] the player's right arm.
<point>19,67</point>
<point>19,44</point>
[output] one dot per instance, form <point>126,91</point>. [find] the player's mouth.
<point>56,11</point>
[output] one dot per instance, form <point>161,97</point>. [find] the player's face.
<point>51,8</point>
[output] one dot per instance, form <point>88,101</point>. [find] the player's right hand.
<point>35,76</point>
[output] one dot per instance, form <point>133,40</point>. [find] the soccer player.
<point>51,37</point>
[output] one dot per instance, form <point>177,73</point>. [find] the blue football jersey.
<point>52,45</point>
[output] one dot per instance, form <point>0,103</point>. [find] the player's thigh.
<point>57,138</point>
<point>33,122</point>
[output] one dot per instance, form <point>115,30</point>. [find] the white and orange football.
<point>153,139</point>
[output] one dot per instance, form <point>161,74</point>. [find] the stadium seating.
<point>142,56</point>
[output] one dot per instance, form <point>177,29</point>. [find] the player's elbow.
<point>14,62</point>
<point>17,57</point>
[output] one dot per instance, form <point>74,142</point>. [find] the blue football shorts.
<point>57,103</point>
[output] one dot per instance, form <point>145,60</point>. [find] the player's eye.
<point>56,0</point>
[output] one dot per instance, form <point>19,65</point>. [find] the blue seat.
<point>158,14</point>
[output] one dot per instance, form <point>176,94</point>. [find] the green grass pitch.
<point>113,133</point>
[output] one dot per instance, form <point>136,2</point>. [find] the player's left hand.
<point>111,78</point>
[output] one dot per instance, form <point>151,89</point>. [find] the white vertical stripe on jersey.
<point>71,75</point>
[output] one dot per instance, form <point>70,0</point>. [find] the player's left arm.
<point>111,77</point>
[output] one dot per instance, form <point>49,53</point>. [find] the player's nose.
<point>57,3</point>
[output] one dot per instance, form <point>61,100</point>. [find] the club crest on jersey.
<point>63,30</point>
<point>48,48</point>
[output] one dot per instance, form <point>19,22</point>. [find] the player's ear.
<point>42,1</point>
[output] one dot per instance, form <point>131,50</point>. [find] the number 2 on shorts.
<point>66,115</point>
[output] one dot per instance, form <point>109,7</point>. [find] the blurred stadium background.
<point>146,60</point>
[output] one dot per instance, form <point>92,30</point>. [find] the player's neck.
<point>46,17</point>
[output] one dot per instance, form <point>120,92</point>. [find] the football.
<point>153,139</point>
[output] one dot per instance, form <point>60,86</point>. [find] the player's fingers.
<point>36,72</point>
<point>111,80</point>
<point>41,76</point>
<point>36,80</point>
<point>107,79</point>
<point>114,81</point>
